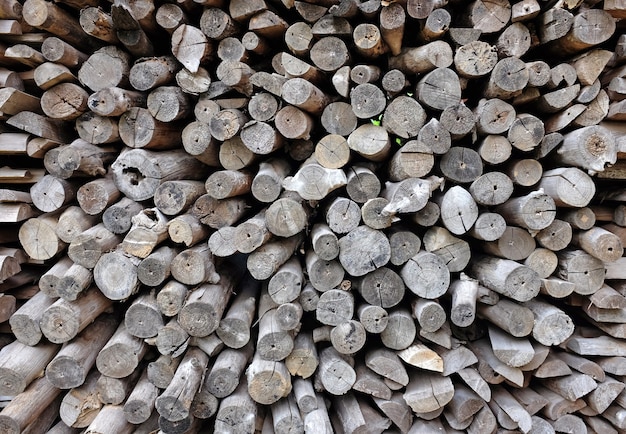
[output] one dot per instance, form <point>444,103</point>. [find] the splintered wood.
<point>318,216</point>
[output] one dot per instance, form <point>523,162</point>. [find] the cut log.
<point>63,320</point>
<point>268,381</point>
<point>175,401</point>
<point>72,363</point>
<point>334,374</point>
<point>20,364</point>
<point>138,173</point>
<point>24,410</point>
<point>204,308</point>
<point>24,321</point>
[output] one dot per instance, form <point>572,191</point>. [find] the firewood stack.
<point>314,216</point>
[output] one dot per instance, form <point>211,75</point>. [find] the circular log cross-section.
<point>363,250</point>
<point>65,101</point>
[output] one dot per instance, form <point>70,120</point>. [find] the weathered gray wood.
<point>194,266</point>
<point>263,262</point>
<point>175,401</point>
<point>143,317</point>
<point>234,327</point>
<point>140,403</point>
<point>25,320</point>
<point>582,269</point>
<point>360,241</point>
<point>374,214</point>
<point>20,364</point>
<point>117,218</point>
<point>237,411</point>
<point>507,277</point>
<point>303,360</point>
<point>87,248</point>
<point>334,307</point>
<point>400,331</point>
<point>115,275</point>
<point>26,407</point>
<point>428,392</point>
<point>203,309</point>
<point>63,320</point>
<point>426,275</point>
<point>577,149</point>
<point>552,325</point>
<point>334,374</point>
<point>72,363</point>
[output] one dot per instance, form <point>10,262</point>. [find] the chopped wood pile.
<point>279,216</point>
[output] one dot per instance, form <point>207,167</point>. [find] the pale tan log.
<point>106,67</point>
<point>49,280</point>
<point>171,297</point>
<point>110,417</point>
<point>148,73</point>
<point>121,355</point>
<point>487,361</point>
<point>24,321</point>
<point>515,352</point>
<point>303,360</point>
<point>420,356</point>
<point>115,275</point>
<point>172,340</point>
<point>268,381</point>
<point>80,405</point>
<point>187,229</point>
<point>311,173</point>
<point>234,327</point>
<point>238,411</point>
<point>456,360</point>
<point>334,374</point>
<point>557,405</point>
<point>190,46</point>
<point>88,246</point>
<point>140,403</point>
<point>161,371</point>
<point>38,237</point>
<point>578,39</point>
<point>114,101</point>
<point>582,269</point>
<point>203,310</point>
<point>149,228</point>
<point>13,101</point>
<point>428,392</point>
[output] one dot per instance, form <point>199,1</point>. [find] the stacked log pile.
<point>313,216</point>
